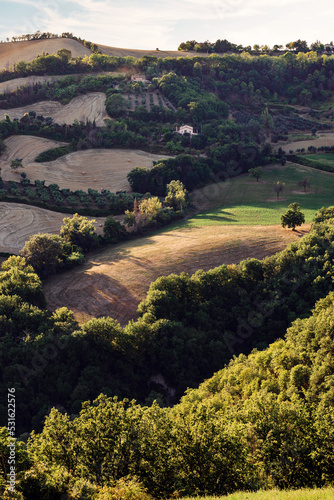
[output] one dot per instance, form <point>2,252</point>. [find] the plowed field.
<point>95,168</point>
<point>82,108</point>
<point>19,222</point>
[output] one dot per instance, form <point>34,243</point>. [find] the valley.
<point>167,334</point>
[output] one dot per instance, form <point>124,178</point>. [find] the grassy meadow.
<point>326,159</point>
<point>244,201</point>
<point>304,494</point>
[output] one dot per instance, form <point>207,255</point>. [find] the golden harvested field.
<point>26,147</point>
<point>28,81</point>
<point>114,281</point>
<point>19,222</point>
<point>323,139</point>
<point>82,108</point>
<point>103,168</point>
<point>119,52</point>
<point>13,52</point>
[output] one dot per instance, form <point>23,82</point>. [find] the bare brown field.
<point>19,222</point>
<point>322,140</point>
<point>114,281</point>
<point>103,168</point>
<point>119,52</point>
<point>26,147</point>
<point>82,108</point>
<point>13,52</point>
<point>28,81</point>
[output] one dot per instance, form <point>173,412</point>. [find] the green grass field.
<point>317,494</point>
<point>326,159</point>
<point>243,201</point>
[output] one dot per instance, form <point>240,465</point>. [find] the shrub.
<point>126,488</point>
<point>75,259</point>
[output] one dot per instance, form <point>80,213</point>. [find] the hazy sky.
<point>147,24</point>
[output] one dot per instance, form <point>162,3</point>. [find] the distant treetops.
<point>222,46</point>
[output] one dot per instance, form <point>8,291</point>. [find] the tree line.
<point>222,46</point>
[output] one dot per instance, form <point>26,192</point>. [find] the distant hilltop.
<point>28,47</point>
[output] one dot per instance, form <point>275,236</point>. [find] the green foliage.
<point>266,419</point>
<point>176,195</point>
<point>115,105</point>
<point>79,231</point>
<point>45,252</point>
<point>293,217</point>
<point>17,277</point>
<point>53,154</point>
<point>312,162</point>
<point>126,488</point>
<point>256,172</point>
<point>15,164</point>
<point>113,230</point>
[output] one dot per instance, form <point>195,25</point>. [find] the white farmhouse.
<point>186,129</point>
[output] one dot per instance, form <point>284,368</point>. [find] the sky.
<point>164,24</point>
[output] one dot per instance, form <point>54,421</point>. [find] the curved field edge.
<point>113,282</point>
<point>19,222</point>
<point>90,106</point>
<point>94,168</point>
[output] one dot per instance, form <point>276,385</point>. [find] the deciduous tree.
<point>293,217</point>
<point>256,172</point>
<point>279,186</point>
<point>176,195</point>
<point>79,231</point>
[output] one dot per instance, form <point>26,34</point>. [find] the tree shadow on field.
<point>221,217</point>
<point>114,253</point>
<point>101,295</point>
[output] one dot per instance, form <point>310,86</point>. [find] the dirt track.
<point>82,108</point>
<point>19,222</point>
<point>113,282</point>
<point>103,168</point>
<point>13,52</point>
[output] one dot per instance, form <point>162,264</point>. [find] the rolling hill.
<point>13,52</point>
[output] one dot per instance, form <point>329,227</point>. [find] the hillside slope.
<point>13,52</point>
<point>88,107</point>
<point>113,282</point>
<point>119,52</point>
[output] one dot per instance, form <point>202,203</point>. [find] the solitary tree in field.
<point>293,217</point>
<point>279,186</point>
<point>16,164</point>
<point>256,173</point>
<point>305,183</point>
